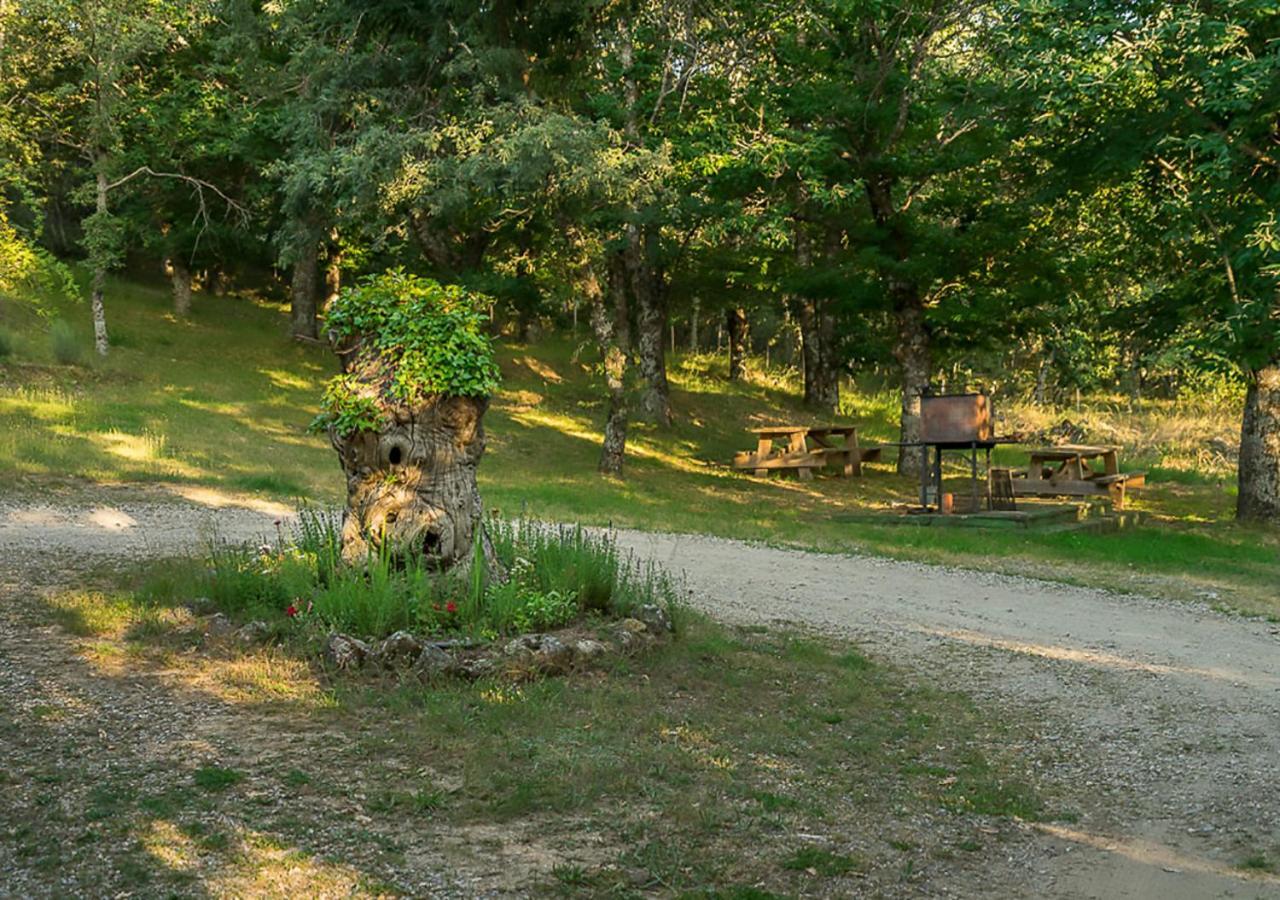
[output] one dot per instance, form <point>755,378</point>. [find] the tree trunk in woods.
<point>609,326</point>
<point>648,287</point>
<point>817,339</point>
<point>180,277</point>
<point>912,350</point>
<point>100,341</point>
<point>1042,378</point>
<point>332,277</point>
<point>1259,473</point>
<point>304,292</point>
<point>912,353</point>
<point>647,280</point>
<point>411,485</point>
<point>736,325</point>
<point>693,324</point>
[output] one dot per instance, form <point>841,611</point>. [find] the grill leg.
<point>937,476</point>
<point>988,478</point>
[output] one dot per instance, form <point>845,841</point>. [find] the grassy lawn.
<point>727,763</point>
<point>223,401</point>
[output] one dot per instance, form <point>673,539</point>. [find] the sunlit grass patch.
<point>94,613</point>
<point>263,676</point>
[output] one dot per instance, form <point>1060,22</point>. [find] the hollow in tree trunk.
<point>1259,473</point>
<point>180,277</point>
<point>411,486</point>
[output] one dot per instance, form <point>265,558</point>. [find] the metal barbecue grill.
<point>955,422</point>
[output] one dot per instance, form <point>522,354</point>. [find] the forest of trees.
<point>1036,195</point>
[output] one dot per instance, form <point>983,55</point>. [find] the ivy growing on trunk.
<point>403,338</point>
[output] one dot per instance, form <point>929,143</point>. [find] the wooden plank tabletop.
<point>779,429</point>
<point>1071,451</point>
<point>807,429</point>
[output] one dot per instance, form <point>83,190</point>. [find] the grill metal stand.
<point>955,422</point>
<point>931,471</point>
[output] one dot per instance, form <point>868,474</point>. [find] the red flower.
<point>451,607</point>
<point>291,611</point>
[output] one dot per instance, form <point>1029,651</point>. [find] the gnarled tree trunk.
<point>1259,473</point>
<point>411,486</point>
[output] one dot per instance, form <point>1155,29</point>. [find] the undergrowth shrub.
<point>6,344</point>
<point>555,576</point>
<point>66,346</point>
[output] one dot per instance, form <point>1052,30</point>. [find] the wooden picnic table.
<point>808,447</point>
<point>1072,461</point>
<point>1077,470</point>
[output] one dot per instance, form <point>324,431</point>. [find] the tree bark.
<point>648,287</point>
<point>411,485</point>
<point>100,341</point>
<point>304,290</point>
<point>332,272</point>
<point>180,276</point>
<point>1042,378</point>
<point>693,324</point>
<point>612,338</point>
<point>817,340</point>
<point>912,350</point>
<point>1259,473</point>
<point>912,353</point>
<point>736,325</point>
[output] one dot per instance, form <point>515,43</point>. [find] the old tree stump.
<point>406,418</point>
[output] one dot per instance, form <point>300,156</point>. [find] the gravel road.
<point>1161,720</point>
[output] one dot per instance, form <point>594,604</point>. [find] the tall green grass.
<point>553,576</point>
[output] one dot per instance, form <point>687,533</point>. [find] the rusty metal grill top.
<point>961,419</point>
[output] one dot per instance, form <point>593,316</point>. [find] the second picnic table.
<point>1070,469</point>
<point>800,455</point>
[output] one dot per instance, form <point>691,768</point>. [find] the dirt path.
<point>1162,721</point>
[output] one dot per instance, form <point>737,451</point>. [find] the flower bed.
<point>568,600</point>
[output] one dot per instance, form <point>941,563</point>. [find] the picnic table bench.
<point>1076,470</point>
<point>807,448</point>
